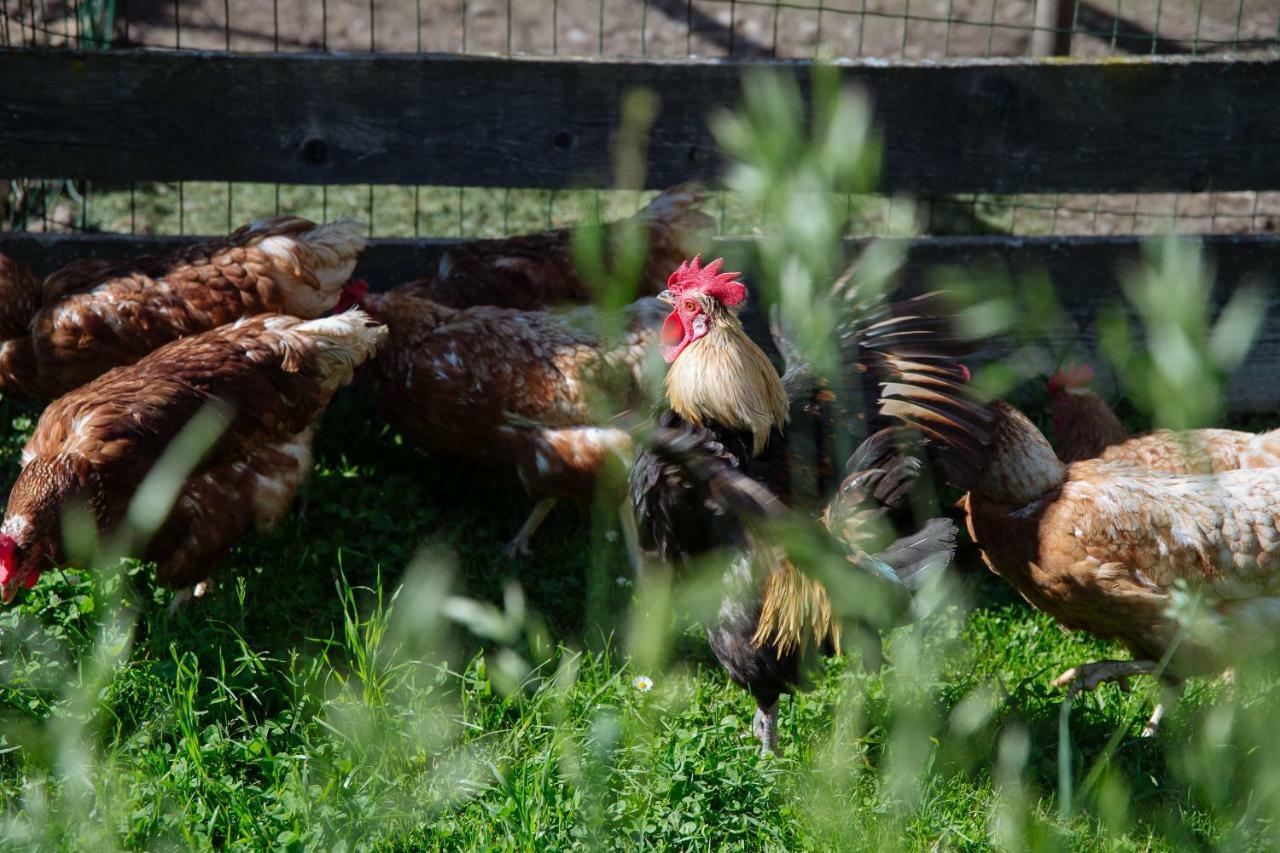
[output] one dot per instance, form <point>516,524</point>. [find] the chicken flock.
<point>499,357</point>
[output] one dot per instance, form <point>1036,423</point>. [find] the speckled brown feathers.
<point>99,314</point>
<point>1100,545</point>
<point>527,388</point>
<point>270,375</point>
<point>537,271</point>
<point>20,298</point>
<point>1085,427</point>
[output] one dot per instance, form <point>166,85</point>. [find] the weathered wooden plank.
<point>1084,270</point>
<point>994,126</point>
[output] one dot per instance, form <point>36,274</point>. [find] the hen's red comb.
<point>7,568</point>
<point>352,296</point>
<point>692,276</point>
<point>1070,376</point>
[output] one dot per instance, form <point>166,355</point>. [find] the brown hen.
<point>532,389</point>
<point>94,315</point>
<point>1085,427</point>
<point>268,377</point>
<point>534,271</point>
<point>1100,545</point>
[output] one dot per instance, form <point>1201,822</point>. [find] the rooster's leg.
<point>1088,676</point>
<point>631,537</point>
<point>765,728</point>
<point>520,545</point>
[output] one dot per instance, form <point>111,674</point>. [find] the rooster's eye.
<point>690,305</point>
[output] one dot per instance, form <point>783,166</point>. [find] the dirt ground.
<point>915,29</point>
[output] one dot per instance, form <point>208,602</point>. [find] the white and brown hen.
<point>271,376</point>
<point>93,315</point>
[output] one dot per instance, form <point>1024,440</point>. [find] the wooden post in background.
<point>1053,23</point>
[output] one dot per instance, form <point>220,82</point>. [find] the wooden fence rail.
<point>1085,272</point>
<point>1152,124</point>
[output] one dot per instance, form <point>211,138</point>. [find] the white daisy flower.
<point>643,683</point>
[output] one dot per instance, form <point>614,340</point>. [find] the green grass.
<point>322,697</point>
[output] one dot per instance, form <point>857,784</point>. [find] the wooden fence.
<point>1159,124</point>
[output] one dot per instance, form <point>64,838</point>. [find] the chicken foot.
<point>1088,676</point>
<point>520,544</point>
<point>765,728</point>
<point>184,596</point>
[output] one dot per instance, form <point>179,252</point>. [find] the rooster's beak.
<point>9,591</point>
<point>667,297</point>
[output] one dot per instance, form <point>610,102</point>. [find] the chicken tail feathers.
<point>18,369</point>
<point>933,397</point>
<point>321,257</point>
<point>20,298</point>
<point>799,606</point>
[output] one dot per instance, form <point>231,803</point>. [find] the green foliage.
<point>1178,370</point>
<point>324,696</point>
<point>375,675</point>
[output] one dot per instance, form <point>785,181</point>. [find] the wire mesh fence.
<point>913,29</point>
<point>922,29</point>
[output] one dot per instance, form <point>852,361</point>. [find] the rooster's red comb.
<point>693,277</point>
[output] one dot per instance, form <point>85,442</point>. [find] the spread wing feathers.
<point>798,380</point>
<point>882,472</point>
<point>277,374</point>
<point>535,271</point>
<point>913,337</point>
<point>921,556</point>
<point>796,605</point>
<point>20,298</point>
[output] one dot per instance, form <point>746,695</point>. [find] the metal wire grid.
<point>926,29</point>
<point>784,28</point>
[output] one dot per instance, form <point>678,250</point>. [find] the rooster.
<point>529,389</point>
<point>1101,545</point>
<point>536,271</point>
<point>1085,427</point>
<point>724,393</point>
<point>93,315</point>
<point>269,377</point>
